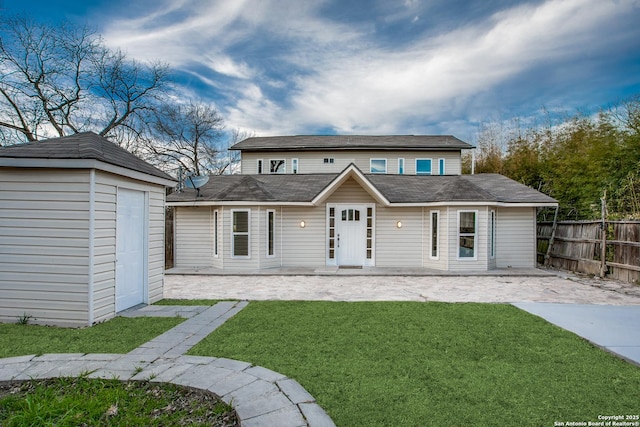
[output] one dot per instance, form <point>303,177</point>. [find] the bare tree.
<point>60,80</point>
<point>189,136</point>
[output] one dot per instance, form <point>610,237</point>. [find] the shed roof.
<point>400,189</point>
<point>352,142</point>
<point>82,146</point>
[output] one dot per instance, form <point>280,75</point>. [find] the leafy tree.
<point>61,80</point>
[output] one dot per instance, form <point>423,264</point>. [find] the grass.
<point>118,335</point>
<point>410,364</point>
<point>81,401</point>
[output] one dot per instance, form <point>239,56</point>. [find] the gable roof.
<point>389,190</point>
<point>81,146</point>
<point>352,142</point>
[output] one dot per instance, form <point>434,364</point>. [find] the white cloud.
<point>340,75</point>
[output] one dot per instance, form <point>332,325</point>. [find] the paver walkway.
<point>261,397</point>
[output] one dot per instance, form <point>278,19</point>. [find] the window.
<point>378,166</point>
<point>467,234</point>
<point>423,166</point>
<point>400,166</point>
<point>441,166</point>
<point>350,215</point>
<point>259,167</point>
<point>332,233</point>
<point>294,165</point>
<point>215,233</point>
<point>329,160</point>
<point>271,228</point>
<point>276,166</point>
<point>240,234</point>
<point>369,233</point>
<point>434,234</point>
<point>492,234</point>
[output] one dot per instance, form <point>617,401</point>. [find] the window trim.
<point>294,165</point>
<point>284,166</point>
<point>378,160</point>
<point>247,233</point>
<point>437,234</point>
<point>271,229</point>
<point>474,235</point>
<point>430,166</point>
<point>493,221</point>
<point>259,166</point>
<point>401,166</point>
<point>216,236</point>
<point>441,166</point>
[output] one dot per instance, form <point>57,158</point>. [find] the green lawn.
<point>119,335</point>
<point>417,364</point>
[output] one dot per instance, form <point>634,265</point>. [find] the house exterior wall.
<point>313,161</point>
<point>57,251</point>
<point>194,237</point>
<point>106,188</point>
<point>399,247</point>
<point>44,255</point>
<point>516,238</point>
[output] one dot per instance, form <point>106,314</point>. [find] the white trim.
<point>430,162</point>
<point>85,164</point>
<point>216,233</point>
<point>437,255</point>
<point>248,233</point>
<point>474,234</point>
<point>273,255</point>
<point>379,197</point>
<point>92,228</point>
<point>493,222</point>
<point>350,172</point>
<point>377,159</point>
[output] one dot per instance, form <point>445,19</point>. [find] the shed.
<point>81,230</point>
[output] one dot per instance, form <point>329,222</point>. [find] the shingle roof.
<point>87,146</point>
<point>352,142</point>
<point>396,188</point>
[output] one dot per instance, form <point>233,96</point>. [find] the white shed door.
<point>130,248</point>
<point>351,235</point>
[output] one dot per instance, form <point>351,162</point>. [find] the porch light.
<point>302,224</point>
<point>399,224</point>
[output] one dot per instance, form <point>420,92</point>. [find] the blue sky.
<point>283,67</point>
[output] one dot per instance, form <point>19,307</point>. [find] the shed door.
<point>130,248</point>
<point>351,232</point>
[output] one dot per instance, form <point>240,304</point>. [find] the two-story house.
<point>326,202</point>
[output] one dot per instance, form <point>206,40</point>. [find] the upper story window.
<point>401,166</point>
<point>441,166</point>
<point>294,165</point>
<point>276,166</point>
<point>259,166</point>
<point>329,160</point>
<point>378,166</point>
<point>423,166</point>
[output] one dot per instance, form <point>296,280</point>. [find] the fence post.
<point>603,236</point>
<point>547,256</point>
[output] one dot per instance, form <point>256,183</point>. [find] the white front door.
<point>130,248</point>
<point>351,235</point>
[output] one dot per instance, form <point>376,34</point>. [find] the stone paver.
<point>260,397</point>
<point>544,286</point>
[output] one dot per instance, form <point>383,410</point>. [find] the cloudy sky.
<point>280,67</point>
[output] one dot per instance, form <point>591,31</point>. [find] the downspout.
<point>92,226</point>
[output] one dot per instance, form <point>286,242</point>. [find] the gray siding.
<point>313,161</point>
<point>44,250</point>
<point>516,238</point>
<point>399,247</point>
<point>303,247</point>
<point>193,238</point>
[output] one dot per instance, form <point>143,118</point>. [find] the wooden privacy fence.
<point>602,248</point>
